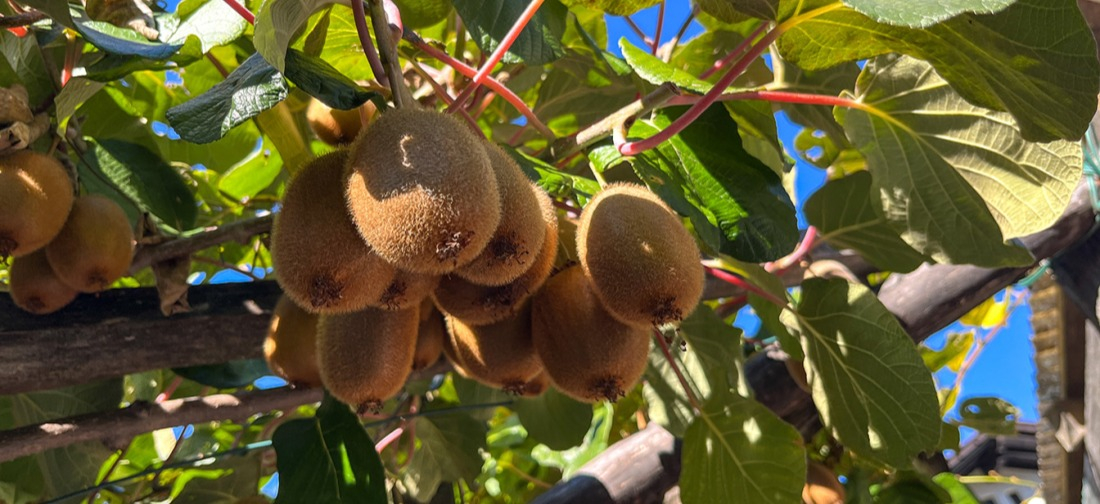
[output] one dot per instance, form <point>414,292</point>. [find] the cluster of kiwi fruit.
<point>59,245</point>
<point>421,239</point>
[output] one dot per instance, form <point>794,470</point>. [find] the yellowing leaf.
<point>991,313</point>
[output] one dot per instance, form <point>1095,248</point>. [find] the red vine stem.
<point>693,113</point>
<point>242,11</point>
<point>720,64</point>
<point>497,54</point>
<point>773,96</point>
<point>447,99</point>
<point>637,30</point>
<point>360,15</point>
<point>490,82</point>
<point>676,369</point>
<point>391,437</point>
<point>782,265</point>
<point>660,26</point>
<point>733,279</point>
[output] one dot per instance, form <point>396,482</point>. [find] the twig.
<point>783,264</point>
<point>242,11</point>
<point>498,54</point>
<point>637,30</point>
<point>394,435</point>
<point>142,417</point>
<point>27,18</point>
<point>360,15</point>
<point>238,231</point>
<point>660,27</point>
<point>388,49</point>
<point>570,145</point>
<point>224,265</point>
<point>676,369</point>
<point>680,33</point>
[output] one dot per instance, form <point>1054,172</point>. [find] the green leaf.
<point>830,81</point>
<point>845,214</point>
<point>447,450</point>
<point>581,89</point>
<point>488,21</point>
<point>328,458</point>
<point>73,95</point>
<point>252,88</point>
<point>24,58</point>
<point>118,40</point>
<point>232,374</point>
<point>923,15</point>
<point>614,7</point>
<point>214,23</point>
<point>655,71</point>
<point>554,419</point>
<point>732,11</point>
<point>868,381</point>
<point>595,442</point>
<point>989,415</point>
<point>960,493</point>
<point>225,481</point>
<point>739,451</point>
<point>248,178</point>
<point>144,176</point>
<point>277,22</point>
<point>342,49</point>
<point>705,166</point>
<point>324,82</point>
<point>912,490</point>
<point>422,13</point>
<point>1036,59</point>
<point>951,356</point>
<point>950,184</point>
<point>556,182</point>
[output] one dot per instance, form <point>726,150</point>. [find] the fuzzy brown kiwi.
<point>589,354</point>
<point>366,356</point>
<point>406,290</point>
<point>95,246</point>
<point>34,286</point>
<point>642,263</point>
<point>567,242</point>
<point>519,236</point>
<point>291,344</point>
<point>336,126</point>
<point>36,195</point>
<point>429,336</point>
<point>499,355</point>
<point>321,261</point>
<point>822,486</point>
<point>422,191</point>
<point>537,385</point>
<point>480,305</point>
<point>452,354</point>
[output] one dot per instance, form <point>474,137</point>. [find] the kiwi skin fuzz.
<point>499,355</point>
<point>480,305</point>
<point>422,192</point>
<point>290,347</point>
<point>36,196</point>
<point>642,263</point>
<point>406,291</point>
<point>536,386</point>
<point>822,486</point>
<point>429,336</point>
<point>366,356</point>
<point>335,126</point>
<point>519,236</point>
<point>95,246</point>
<point>589,355</point>
<point>34,286</point>
<point>321,261</point>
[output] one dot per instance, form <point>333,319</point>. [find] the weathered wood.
<point>122,331</point>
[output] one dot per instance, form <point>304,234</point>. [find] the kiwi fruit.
<point>429,336</point>
<point>366,356</point>
<point>95,246</point>
<point>642,263</point>
<point>322,262</point>
<point>480,305</point>
<point>335,126</point>
<point>422,191</point>
<point>519,236</point>
<point>34,286</point>
<point>798,373</point>
<point>451,353</point>
<point>537,385</point>
<point>589,354</point>
<point>499,355</point>
<point>822,486</point>
<point>291,344</point>
<point>36,195</point>
<point>406,290</point>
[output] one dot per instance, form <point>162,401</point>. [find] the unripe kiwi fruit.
<point>422,192</point>
<point>34,286</point>
<point>519,236</point>
<point>406,291</point>
<point>499,355</point>
<point>480,305</point>
<point>36,195</point>
<point>321,261</point>
<point>588,354</point>
<point>429,336</point>
<point>366,356</point>
<point>537,385</point>
<point>642,263</point>
<point>95,246</point>
<point>336,126</point>
<point>291,344</point>
<point>822,486</point>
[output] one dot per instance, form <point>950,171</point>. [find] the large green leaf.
<point>554,181</point>
<point>869,383</point>
<point>830,81</point>
<point>554,419</point>
<point>952,177</point>
<point>214,23</point>
<point>614,7</point>
<point>732,11</point>
<point>147,179</point>
<point>737,450</point>
<point>845,214</point>
<point>735,193</point>
<point>1036,59</point>
<point>246,179</point>
<point>117,40</point>
<point>277,22</point>
<point>923,15</point>
<point>322,81</point>
<point>24,58</point>
<point>488,21</point>
<point>252,88</point>
<point>447,450</point>
<point>579,90</point>
<point>422,13</point>
<point>232,374</point>
<point>342,49</point>
<point>328,458</point>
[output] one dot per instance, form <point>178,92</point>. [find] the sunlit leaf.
<point>951,356</point>
<point>990,415</point>
<point>488,21</point>
<point>991,313</point>
<point>147,179</point>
